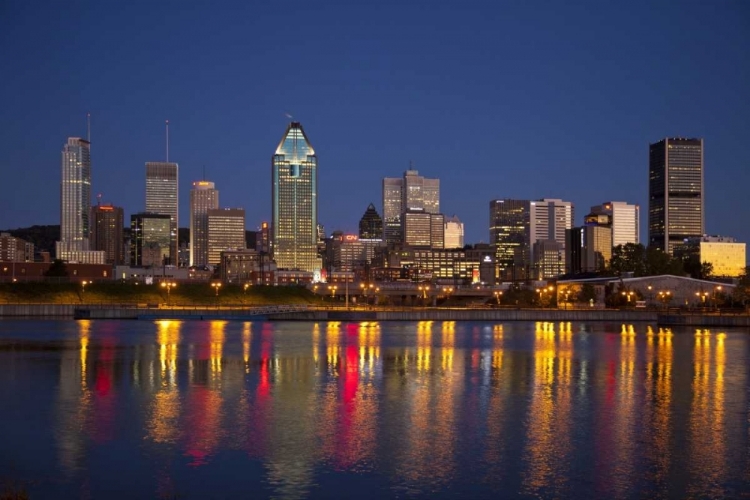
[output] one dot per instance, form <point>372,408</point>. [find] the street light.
<point>665,296</point>
<point>245,287</point>
<point>628,294</point>
<point>333,291</point>
<point>168,285</point>
<point>83,288</point>
<point>498,295</point>
<point>702,296</point>
<point>717,289</point>
<point>216,287</point>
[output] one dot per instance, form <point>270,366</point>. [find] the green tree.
<point>741,292</point>
<point>587,293</point>
<point>628,258</point>
<point>58,269</point>
<point>659,262</point>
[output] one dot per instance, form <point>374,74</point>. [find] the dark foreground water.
<point>167,409</point>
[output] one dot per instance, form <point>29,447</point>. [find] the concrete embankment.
<point>37,310</point>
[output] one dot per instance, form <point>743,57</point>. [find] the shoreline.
<point>307,313</point>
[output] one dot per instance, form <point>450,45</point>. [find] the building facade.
<point>226,231</point>
<point>203,197</point>
<point>625,220</point>
<point>725,254</point>
<point>509,230</point>
<point>549,260</point>
<point>294,174</point>
<point>162,197</point>
<point>75,195</point>
<point>423,229</point>
<point>371,225</point>
<point>676,198</point>
<point>411,193</point>
<point>107,233</point>
<point>150,239</point>
<point>588,249</point>
<point>14,249</point>
<point>454,232</point>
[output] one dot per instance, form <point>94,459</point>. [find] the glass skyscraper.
<point>162,197</point>
<point>75,195</point>
<point>412,193</point>
<point>294,179</point>
<point>203,197</point>
<point>675,189</point>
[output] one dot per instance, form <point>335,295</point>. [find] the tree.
<point>58,269</point>
<point>742,290</point>
<point>659,262</point>
<point>587,293</point>
<point>628,258</point>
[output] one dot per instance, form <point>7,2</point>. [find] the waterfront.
<point>222,409</point>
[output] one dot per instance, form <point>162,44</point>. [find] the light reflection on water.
<point>411,409</point>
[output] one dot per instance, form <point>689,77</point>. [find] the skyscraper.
<point>226,231</point>
<point>203,197</point>
<point>162,197</point>
<point>371,225</point>
<point>412,193</point>
<point>75,195</point>
<point>150,239</point>
<point>624,218</point>
<point>454,232</point>
<point>107,232</point>
<point>294,182</point>
<point>675,209</point>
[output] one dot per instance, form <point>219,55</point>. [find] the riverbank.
<point>302,312</point>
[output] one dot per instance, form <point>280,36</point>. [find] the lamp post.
<point>216,287</point>
<point>333,291</point>
<point>702,296</point>
<point>83,288</point>
<point>665,296</point>
<point>717,290</point>
<point>168,285</point>
<point>498,295</point>
<point>650,294</point>
<point>541,292</point>
<point>628,294</point>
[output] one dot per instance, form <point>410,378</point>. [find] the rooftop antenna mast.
<point>88,127</point>
<point>204,172</point>
<point>167,126</point>
<point>99,200</point>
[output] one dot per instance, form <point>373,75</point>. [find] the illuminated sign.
<point>487,258</point>
<point>351,237</point>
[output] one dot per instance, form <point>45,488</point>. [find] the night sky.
<point>496,99</point>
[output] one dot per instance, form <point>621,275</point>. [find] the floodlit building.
<point>162,197</point>
<point>726,255</point>
<point>294,174</point>
<point>203,197</point>
<point>454,232</point>
<point>150,239</point>
<point>410,193</point>
<point>548,260</point>
<point>676,198</point>
<point>624,218</point>
<point>226,231</point>
<point>14,249</point>
<point>423,229</point>
<point>107,232</point>
<point>588,249</point>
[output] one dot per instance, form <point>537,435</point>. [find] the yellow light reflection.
<point>424,345</point>
<point>247,335</point>
<point>84,332</point>
<point>168,338</point>
<point>216,335</point>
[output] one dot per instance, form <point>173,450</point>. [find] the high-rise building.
<point>454,232</point>
<point>676,199</point>
<point>371,225</point>
<point>412,193</point>
<point>162,197</point>
<point>203,197</point>
<point>107,232</point>
<point>150,239</point>
<point>549,261</point>
<point>226,231</point>
<point>624,218</point>
<point>588,249</point>
<point>14,249</point>
<point>549,219</point>
<point>509,230</point>
<point>294,174</point>
<point>424,230</point>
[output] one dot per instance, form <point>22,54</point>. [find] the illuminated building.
<point>412,193</point>
<point>348,252</point>
<point>162,196</point>
<point>548,260</point>
<point>454,233</point>
<point>423,229</point>
<point>725,254</point>
<point>294,174</point>
<point>14,249</point>
<point>509,230</point>
<point>226,231</point>
<point>588,249</point>
<point>203,197</point>
<point>624,218</point>
<point>423,263</point>
<point>371,225</point>
<point>107,232</point>
<point>675,210</point>
<point>75,204</point>
<point>150,239</point>
<point>515,225</point>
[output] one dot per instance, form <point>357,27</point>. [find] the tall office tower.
<point>294,179</point>
<point>625,219</point>
<point>509,230</point>
<point>162,197</point>
<point>203,197</point>
<point>412,193</point>
<point>588,249</point>
<point>549,219</point>
<point>454,232</point>
<point>150,239</point>
<point>549,261</point>
<point>675,189</point>
<point>371,225</point>
<point>107,232</point>
<point>75,195</point>
<point>226,231</point>
<point>424,230</point>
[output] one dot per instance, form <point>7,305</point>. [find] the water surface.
<point>215,409</point>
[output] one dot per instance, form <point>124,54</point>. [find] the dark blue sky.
<point>497,99</point>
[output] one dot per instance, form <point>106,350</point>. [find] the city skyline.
<point>596,115</point>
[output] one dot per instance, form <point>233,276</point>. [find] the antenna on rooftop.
<point>88,127</point>
<point>167,127</point>
<point>99,200</point>
<point>204,172</point>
